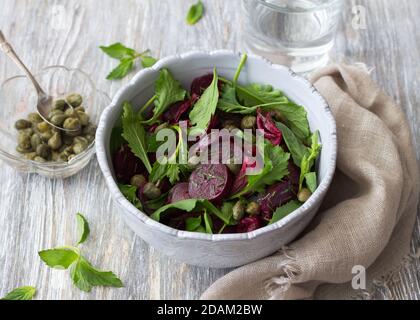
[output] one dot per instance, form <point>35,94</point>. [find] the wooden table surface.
<point>37,213</point>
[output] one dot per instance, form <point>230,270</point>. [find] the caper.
<point>234,167</point>
<point>21,150</point>
<point>55,112</point>
<point>193,162</point>
<point>80,144</point>
<point>28,131</point>
<point>230,127</point>
<point>43,126</point>
<point>72,124</point>
<point>43,151</point>
<point>46,135</point>
<point>36,140</point>
<point>23,124</point>
<point>30,155</point>
<point>304,195</point>
<point>74,99</point>
<point>70,157</point>
<point>55,141</point>
<point>62,157</point>
<point>160,127</point>
<point>248,122</point>
<point>82,109</point>
<point>59,104</point>
<point>24,141</point>
<point>89,129</point>
<point>67,140</point>
<point>70,112</point>
<point>39,159</point>
<point>252,208</point>
<point>54,155</point>
<point>90,137</point>
<point>34,117</point>
<point>58,119</point>
<point>238,210</point>
<point>138,180</point>
<point>83,117</point>
<point>151,191</point>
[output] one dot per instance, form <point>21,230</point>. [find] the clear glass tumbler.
<point>296,33</point>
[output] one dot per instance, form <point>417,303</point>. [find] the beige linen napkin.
<point>368,215</point>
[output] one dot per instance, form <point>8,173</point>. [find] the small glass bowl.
<point>18,98</point>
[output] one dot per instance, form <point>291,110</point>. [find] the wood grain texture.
<point>37,213</point>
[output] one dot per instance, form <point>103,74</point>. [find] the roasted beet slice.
<point>178,109</point>
<point>275,196</point>
<point>179,192</point>
<point>249,224</point>
<point>126,164</point>
<point>271,132</point>
<point>202,83</point>
<point>209,181</point>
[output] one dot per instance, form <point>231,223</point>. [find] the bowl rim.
<point>55,165</point>
<point>144,218</point>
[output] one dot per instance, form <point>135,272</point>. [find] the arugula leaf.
<point>195,13</point>
<point>22,293</point>
<point>118,51</point>
<point>311,181</point>
<point>147,61</point>
<point>284,210</point>
<point>135,134</point>
<point>82,228</point>
<point>275,168</point>
<point>205,107</point>
<point>59,258</point>
<point>208,223</point>
<point>127,57</point>
<point>189,205</point>
<point>130,192</point>
<point>296,147</point>
<point>168,91</point>
<point>309,158</point>
<point>116,140</point>
<point>85,276</point>
<point>157,203</point>
<point>121,70</point>
<point>193,223</point>
<point>160,171</point>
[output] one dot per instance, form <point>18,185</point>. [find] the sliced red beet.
<point>126,164</point>
<point>249,224</point>
<point>200,84</point>
<point>275,196</point>
<point>175,111</point>
<point>271,132</point>
<point>179,192</point>
<point>209,181</point>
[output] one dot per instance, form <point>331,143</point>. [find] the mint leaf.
<point>147,61</point>
<point>295,146</point>
<point>85,276</point>
<point>310,179</point>
<point>82,228</point>
<point>22,293</point>
<point>121,70</point>
<point>130,192</point>
<point>116,140</point>
<point>208,223</point>
<point>118,51</point>
<point>195,13</point>
<point>168,91</point>
<point>193,223</point>
<point>284,210</point>
<point>309,158</point>
<point>59,258</point>
<point>205,107</point>
<point>135,134</point>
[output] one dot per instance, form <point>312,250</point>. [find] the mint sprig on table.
<point>83,274</point>
<point>195,13</point>
<point>22,293</point>
<point>127,57</point>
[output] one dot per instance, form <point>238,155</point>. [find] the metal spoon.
<point>44,103</point>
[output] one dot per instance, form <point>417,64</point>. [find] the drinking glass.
<point>296,33</point>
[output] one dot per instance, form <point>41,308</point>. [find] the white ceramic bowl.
<point>224,250</point>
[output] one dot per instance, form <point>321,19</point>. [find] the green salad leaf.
<point>82,228</point>
<point>135,134</point>
<point>195,13</point>
<point>284,210</point>
<point>193,223</point>
<point>116,140</point>
<point>130,192</point>
<point>22,293</point>
<point>295,146</point>
<point>208,223</point>
<point>147,61</point>
<point>311,181</point>
<point>118,51</point>
<point>309,158</point>
<point>59,258</point>
<point>205,107</point>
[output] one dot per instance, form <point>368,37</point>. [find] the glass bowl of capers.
<point>29,144</point>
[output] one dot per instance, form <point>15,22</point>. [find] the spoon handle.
<point>8,50</point>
